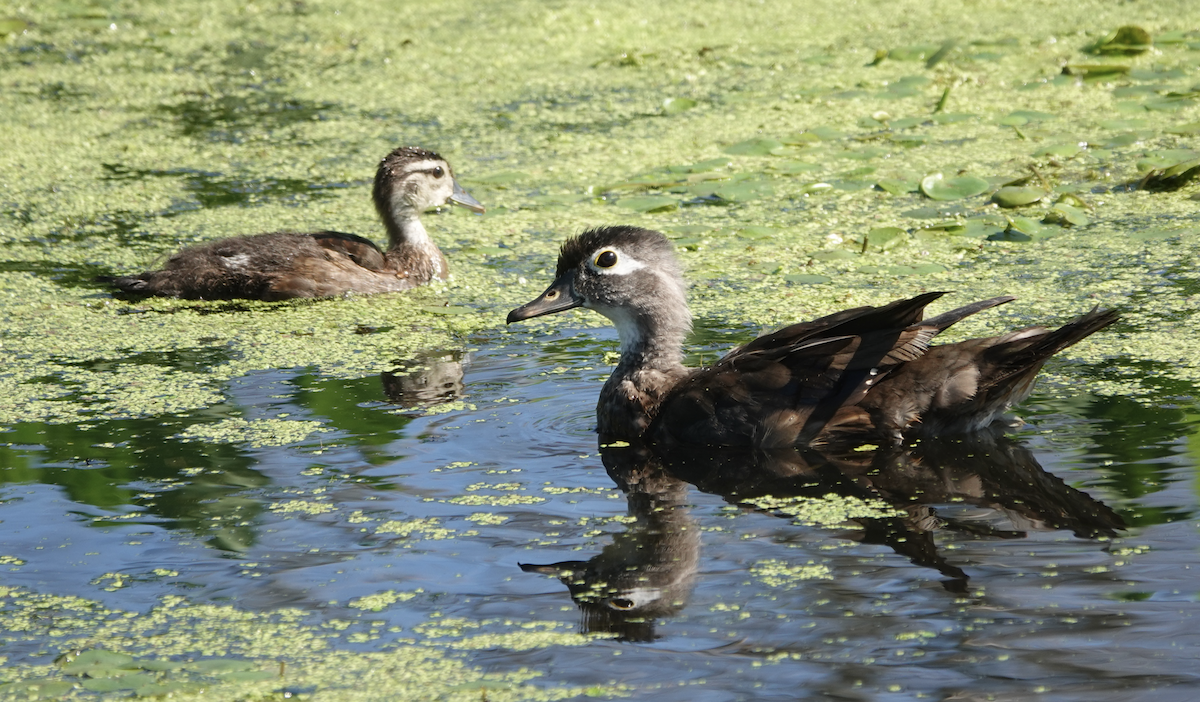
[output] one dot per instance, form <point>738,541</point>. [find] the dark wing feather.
<point>782,388</point>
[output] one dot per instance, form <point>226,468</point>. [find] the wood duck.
<point>863,372</point>
<point>282,265</point>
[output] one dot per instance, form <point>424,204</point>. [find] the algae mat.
<point>802,163</point>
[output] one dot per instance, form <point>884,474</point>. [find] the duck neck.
<point>651,364</point>
<point>411,251</point>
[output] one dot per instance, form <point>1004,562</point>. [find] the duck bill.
<point>559,297</point>
<point>463,199</point>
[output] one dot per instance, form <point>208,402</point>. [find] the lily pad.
<point>938,187</point>
<point>897,186</point>
<point>649,203</point>
<point>1023,229</point>
<point>1060,150</point>
<point>1126,41</point>
<point>744,191</point>
<point>1019,118</point>
<point>760,146</point>
<point>885,238</point>
<point>1173,178</point>
<point>99,663</point>
<point>1157,234</point>
<point>864,154</point>
<point>1064,214</point>
<point>1164,158</point>
<point>757,233</point>
<point>11,25</point>
<point>1190,129</point>
<point>1094,70</point>
<point>915,52</point>
<point>1018,196</point>
<point>673,105</point>
<point>807,279</point>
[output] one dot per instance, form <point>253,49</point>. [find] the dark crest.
<point>575,249</point>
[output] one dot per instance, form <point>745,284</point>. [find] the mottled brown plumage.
<point>281,265</point>
<point>864,372</point>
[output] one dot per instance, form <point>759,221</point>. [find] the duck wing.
<point>964,387</point>
<point>783,388</point>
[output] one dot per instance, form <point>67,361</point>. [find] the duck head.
<point>411,180</point>
<point>628,274</point>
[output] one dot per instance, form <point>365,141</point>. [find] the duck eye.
<point>438,172</point>
<point>606,259</point>
<point>621,603</point>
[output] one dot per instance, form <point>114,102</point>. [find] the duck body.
<point>282,265</point>
<point>861,374</point>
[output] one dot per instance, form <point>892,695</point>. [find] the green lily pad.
<point>649,203</point>
<point>1170,103</point>
<point>759,146</point>
<point>938,187</point>
<point>221,665</point>
<point>1164,158</point>
<point>1127,41</point>
<point>711,164</point>
<point>1060,150</point>
<point>1118,124</point>
<point>1018,196</point>
<point>1158,234</point>
<point>807,279</point>
<point>910,139</point>
<point>1063,214</point>
<point>1019,118</point>
<point>1173,178</point>
<point>744,191</point>
<point>816,188</point>
<point>864,154</point>
<point>97,662</point>
<point>1126,139</point>
<point>1023,229</point>
<point>897,186</point>
<point>757,233</point>
<point>915,52</point>
<point>907,122</point>
<point>11,25</point>
<point>673,105</point>
<point>1094,70</point>
<point>885,238</point>
<point>1190,129</point>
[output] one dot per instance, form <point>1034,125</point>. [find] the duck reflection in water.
<point>429,377</point>
<point>647,573</point>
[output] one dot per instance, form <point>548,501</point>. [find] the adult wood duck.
<point>863,372</point>
<point>281,265</point>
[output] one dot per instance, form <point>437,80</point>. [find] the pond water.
<point>397,497</point>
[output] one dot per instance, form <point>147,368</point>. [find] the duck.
<point>284,265</point>
<point>862,374</point>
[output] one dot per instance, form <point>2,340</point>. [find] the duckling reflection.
<point>648,571</point>
<point>429,377</point>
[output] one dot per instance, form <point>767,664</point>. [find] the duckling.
<point>282,265</point>
<point>863,372</point>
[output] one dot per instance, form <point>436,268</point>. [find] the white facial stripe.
<point>427,165</point>
<point>625,264</point>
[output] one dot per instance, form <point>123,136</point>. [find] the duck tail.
<point>945,320</point>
